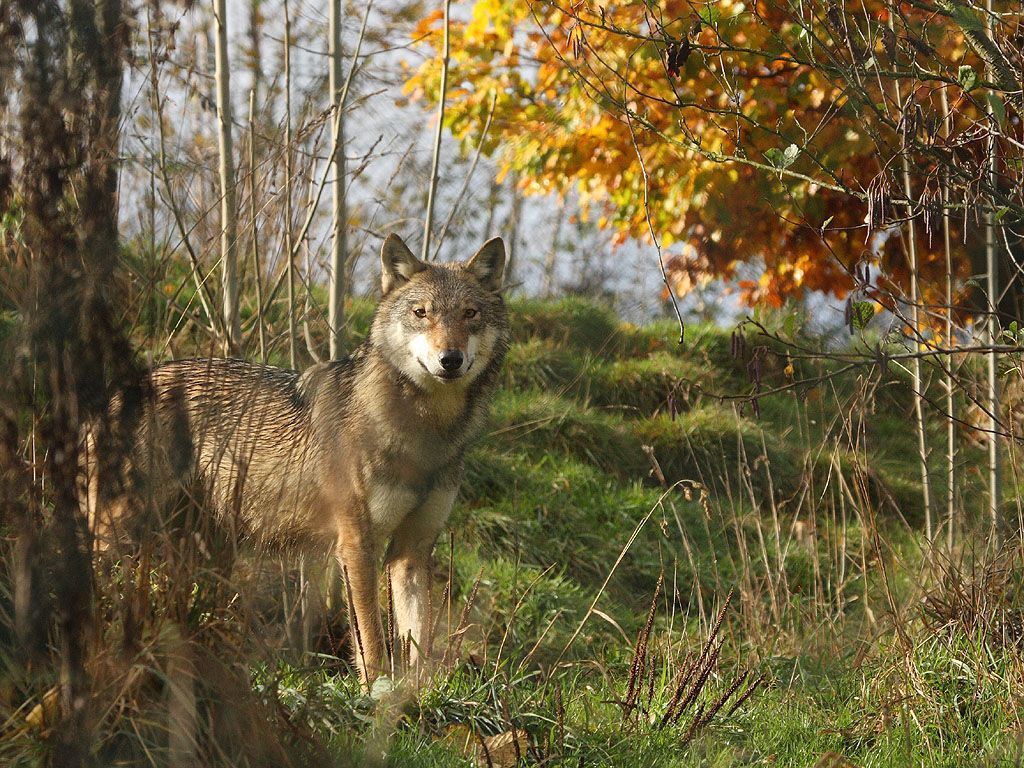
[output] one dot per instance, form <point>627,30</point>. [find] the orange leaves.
<point>428,25</point>
<point>701,91</point>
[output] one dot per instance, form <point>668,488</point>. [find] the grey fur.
<point>344,457</point>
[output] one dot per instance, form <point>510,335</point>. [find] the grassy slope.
<point>808,509</point>
<point>551,497</point>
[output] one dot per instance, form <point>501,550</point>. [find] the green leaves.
<point>858,314</point>
<point>861,314</point>
<point>709,14</point>
<point>967,77</point>
<point>963,16</point>
<point>782,159</point>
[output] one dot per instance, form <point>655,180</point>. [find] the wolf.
<point>359,457</point>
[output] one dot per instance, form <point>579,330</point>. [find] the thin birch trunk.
<point>325,177</point>
<point>466,182</point>
<point>307,284</point>
<point>257,273</point>
<point>513,230</point>
<point>255,34</point>
<point>154,265</point>
<point>289,251</point>
<point>206,301</point>
<point>548,289</point>
<point>915,370</point>
<point>429,218</point>
<point>947,119</point>
<point>915,301</point>
<point>339,211</point>
<point>228,213</point>
<point>992,388</point>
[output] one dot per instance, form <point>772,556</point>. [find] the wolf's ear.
<point>488,265</point>
<point>397,264</point>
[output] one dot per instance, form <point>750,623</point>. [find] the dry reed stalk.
<point>638,666</point>
<point>698,684</point>
<point>679,684</point>
<point>747,694</point>
<point>455,640</point>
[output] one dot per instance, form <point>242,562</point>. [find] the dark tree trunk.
<point>67,350</point>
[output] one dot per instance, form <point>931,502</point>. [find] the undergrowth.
<point>644,569</point>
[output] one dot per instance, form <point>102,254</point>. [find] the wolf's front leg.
<point>359,565</point>
<point>409,564</point>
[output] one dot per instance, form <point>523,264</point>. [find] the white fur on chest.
<point>389,504</point>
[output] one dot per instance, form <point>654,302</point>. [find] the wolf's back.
<point>235,434</point>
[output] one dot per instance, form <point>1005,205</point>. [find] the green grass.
<point>806,507</point>
<point>552,495</point>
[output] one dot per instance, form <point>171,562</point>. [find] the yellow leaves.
<point>44,714</point>
<point>503,750</point>
<point>480,20</point>
<point>503,171</point>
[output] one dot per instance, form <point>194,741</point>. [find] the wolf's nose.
<point>451,359</point>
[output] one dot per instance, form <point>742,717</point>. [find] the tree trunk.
<point>991,330</point>
<point>916,320</point>
<point>65,183</point>
<point>492,208</point>
<point>257,270</point>
<point>428,220</point>
<point>550,263</point>
<point>947,246</point>
<point>228,212</point>
<point>255,38</point>
<point>339,212</point>
<point>516,210</point>
<point>289,251</point>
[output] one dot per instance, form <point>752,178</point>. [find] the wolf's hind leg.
<point>103,512</point>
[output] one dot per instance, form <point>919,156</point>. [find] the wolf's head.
<point>441,324</point>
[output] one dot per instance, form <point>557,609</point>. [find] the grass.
<point>805,508</point>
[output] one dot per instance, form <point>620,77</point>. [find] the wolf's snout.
<point>452,359</point>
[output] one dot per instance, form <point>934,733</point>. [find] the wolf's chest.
<point>388,504</point>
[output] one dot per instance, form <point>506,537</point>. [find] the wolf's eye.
<point>471,313</point>
<point>420,312</point>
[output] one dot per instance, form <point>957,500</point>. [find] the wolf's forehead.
<point>444,285</point>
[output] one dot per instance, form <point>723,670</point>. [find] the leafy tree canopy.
<point>734,131</point>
